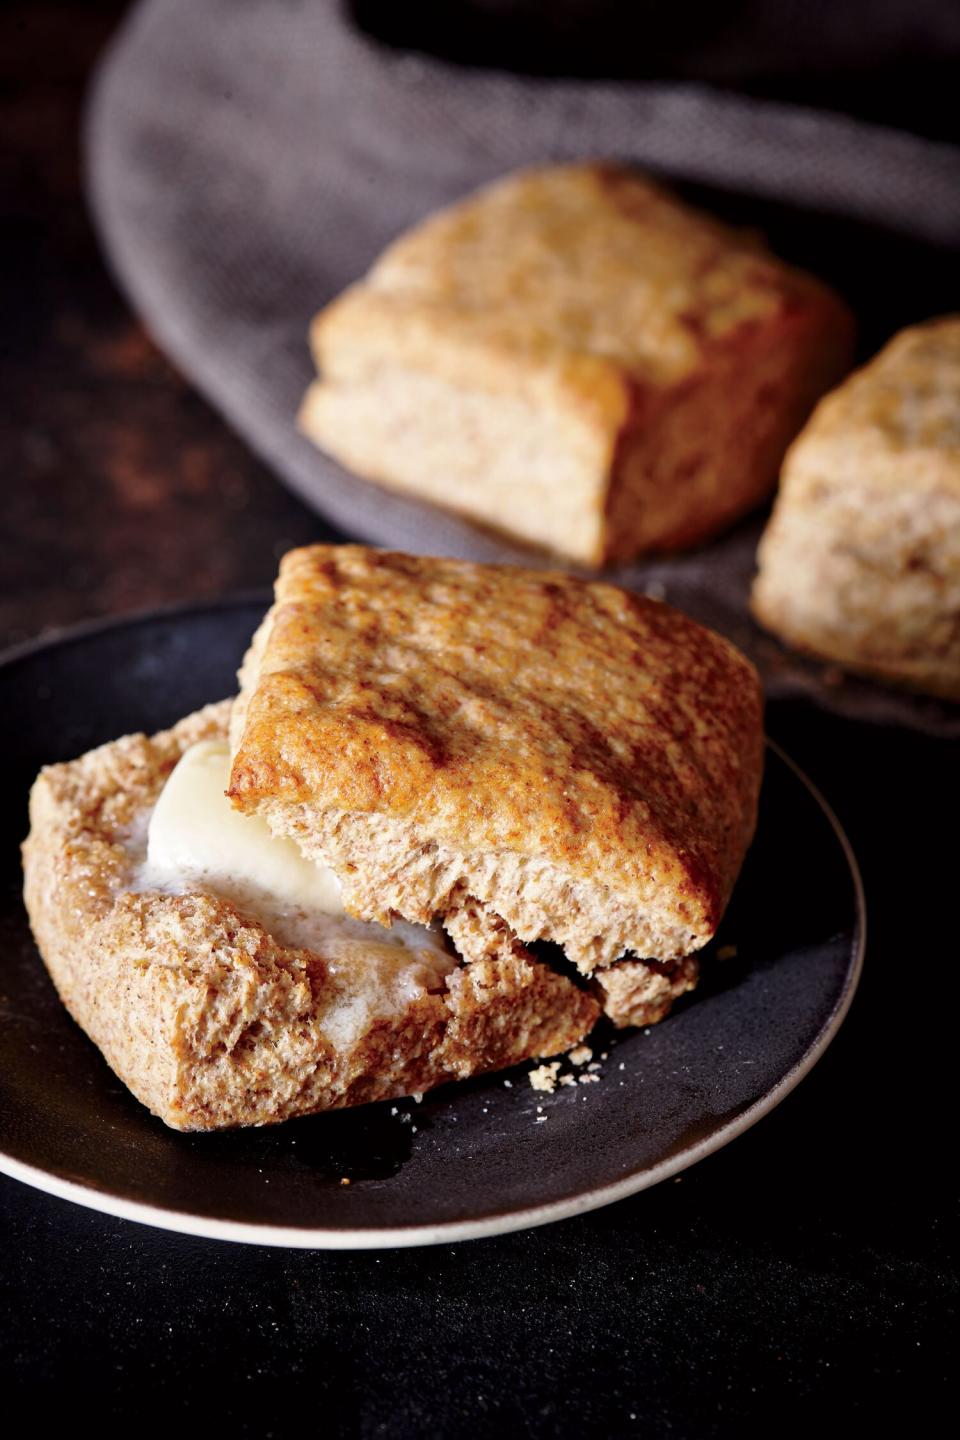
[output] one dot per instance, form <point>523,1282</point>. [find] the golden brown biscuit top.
<point>906,398</point>
<point>502,709</point>
<point>590,259</point>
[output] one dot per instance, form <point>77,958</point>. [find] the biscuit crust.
<point>201,1012</point>
<point>860,563</point>
<point>581,762</point>
<point>576,358</point>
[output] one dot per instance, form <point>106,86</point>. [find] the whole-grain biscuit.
<point>576,761</point>
<point>860,562</point>
<point>576,358</point>
<point>204,1014</point>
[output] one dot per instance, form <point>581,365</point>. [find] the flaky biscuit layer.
<point>575,357</point>
<point>201,1012</point>
<point>582,762</point>
<point>860,563</point>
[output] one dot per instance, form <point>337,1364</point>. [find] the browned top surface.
<point>506,709</point>
<point>583,263</point>
<point>903,405</point>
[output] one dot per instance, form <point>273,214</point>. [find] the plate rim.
<point>451,1231</point>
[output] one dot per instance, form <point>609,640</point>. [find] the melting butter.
<point>196,839</point>
<point>196,833</point>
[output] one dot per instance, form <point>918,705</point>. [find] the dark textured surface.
<point>119,489</point>
<point>467,1153</point>
<point>803,1280</point>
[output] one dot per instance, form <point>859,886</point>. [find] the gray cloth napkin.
<point>249,158</point>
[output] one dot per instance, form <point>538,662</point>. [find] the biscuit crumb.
<point>344,1180</point>
<point>593,1068</point>
<point>568,1080</point>
<point>540,1119</point>
<point>545,1076</point>
<point>508,1084</point>
<point>418,1098</point>
<point>579,1055</point>
<point>727,952</point>
<point>589,1079</point>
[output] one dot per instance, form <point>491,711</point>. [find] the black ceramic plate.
<point>472,1159</point>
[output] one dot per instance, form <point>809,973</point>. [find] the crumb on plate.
<point>545,1076</point>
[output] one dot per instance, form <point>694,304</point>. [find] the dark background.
<point>805,1276</point>
<point>890,61</point>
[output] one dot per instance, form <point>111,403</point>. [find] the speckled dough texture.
<point>573,357</point>
<point>861,560</point>
<point>581,762</point>
<point>204,1016</point>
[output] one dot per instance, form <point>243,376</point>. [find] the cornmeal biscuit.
<point>578,762</point>
<point>860,562</point>
<point>206,1016</point>
<point>577,359</point>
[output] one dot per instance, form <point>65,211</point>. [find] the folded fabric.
<point>247,162</point>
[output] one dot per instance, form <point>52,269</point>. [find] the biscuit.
<point>578,360</point>
<point>576,761</point>
<point>636,992</point>
<point>860,563</point>
<point>204,1015</point>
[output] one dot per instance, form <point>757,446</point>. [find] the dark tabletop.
<point>804,1276</point>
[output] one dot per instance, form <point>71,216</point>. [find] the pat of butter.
<point>196,833</point>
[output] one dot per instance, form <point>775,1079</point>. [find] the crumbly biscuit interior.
<point>209,1018</point>
<point>192,839</point>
